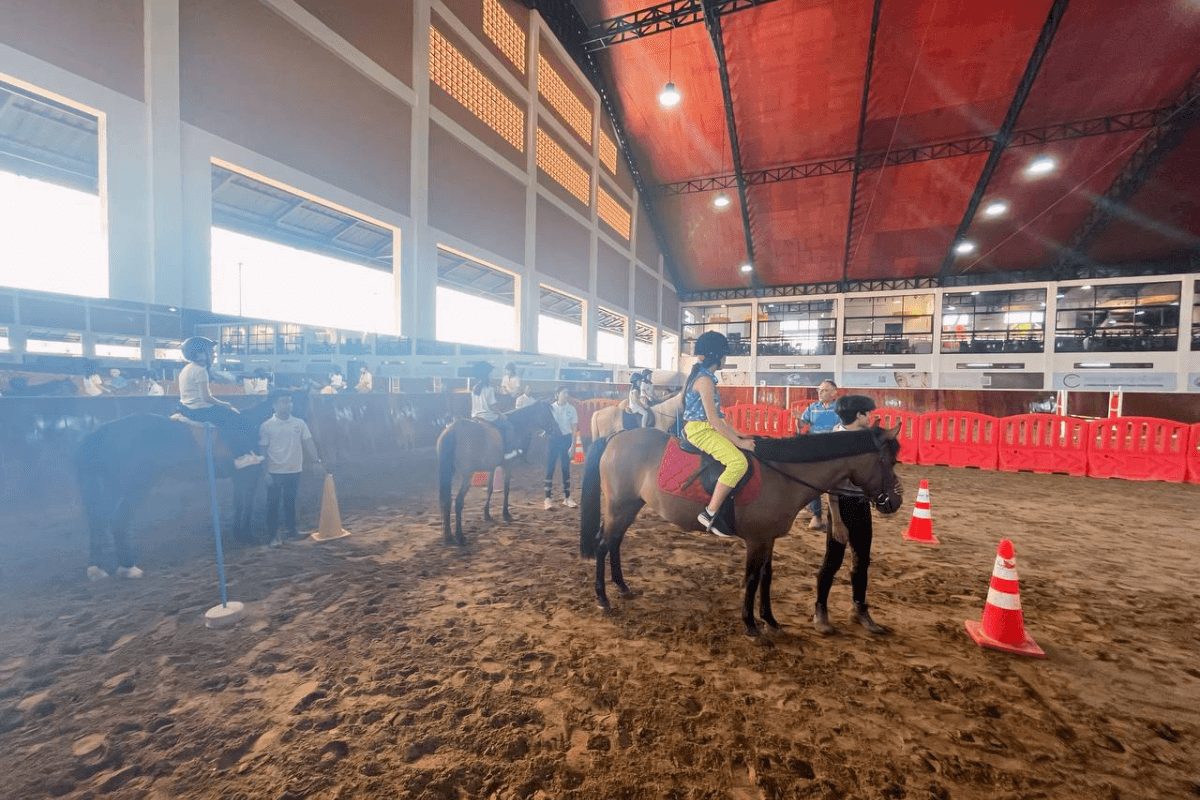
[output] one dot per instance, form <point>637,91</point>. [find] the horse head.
<point>877,477</point>
<point>534,418</point>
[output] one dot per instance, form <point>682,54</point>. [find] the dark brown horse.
<point>620,477</point>
<point>468,446</point>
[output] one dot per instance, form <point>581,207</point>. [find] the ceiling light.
<point>1060,296</point>
<point>974,294</point>
<point>669,97</point>
<point>962,248</point>
<point>995,208</point>
<point>721,200</point>
<point>949,308</point>
<point>1085,288</point>
<point>746,268</point>
<point>1042,165</point>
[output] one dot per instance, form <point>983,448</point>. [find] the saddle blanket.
<point>678,467</point>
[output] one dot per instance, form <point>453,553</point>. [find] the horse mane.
<point>524,415</point>
<point>807,448</point>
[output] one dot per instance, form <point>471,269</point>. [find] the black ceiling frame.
<point>656,19</point>
<point>858,146</point>
<point>712,21</point>
<point>1005,134</point>
<point>570,28</point>
<point>973,145</point>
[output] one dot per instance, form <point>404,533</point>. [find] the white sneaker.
<point>248,460</point>
<point>95,573</point>
<point>548,504</point>
<point>129,572</point>
<point>569,503</point>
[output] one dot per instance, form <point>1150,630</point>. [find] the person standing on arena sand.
<point>849,523</point>
<point>197,403</point>
<point>820,418</point>
<point>483,406</point>
<point>705,426</point>
<point>559,448</point>
<point>286,440</point>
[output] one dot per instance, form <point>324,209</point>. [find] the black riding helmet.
<point>481,370</point>
<point>193,346</point>
<point>712,344</point>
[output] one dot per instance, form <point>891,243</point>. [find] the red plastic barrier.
<point>910,431</point>
<point>959,439</point>
<point>750,419</point>
<point>1044,443</point>
<point>1193,469</point>
<point>1139,449</point>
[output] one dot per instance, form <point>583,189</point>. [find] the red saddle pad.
<point>677,467</point>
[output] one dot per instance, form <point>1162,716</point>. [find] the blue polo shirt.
<point>821,418</point>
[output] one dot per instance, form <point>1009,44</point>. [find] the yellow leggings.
<point>705,437</point>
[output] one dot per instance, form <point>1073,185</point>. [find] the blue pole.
<point>216,512</point>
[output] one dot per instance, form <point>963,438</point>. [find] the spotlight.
<point>669,97</point>
<point>995,208</point>
<point>747,268</point>
<point>1042,165</point>
<point>1086,288</point>
<point>721,200</point>
<point>962,248</point>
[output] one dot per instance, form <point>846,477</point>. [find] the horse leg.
<point>614,551</point>
<point>505,515</point>
<point>601,594</point>
<point>757,555</point>
<point>487,502</point>
<point>613,528</point>
<point>459,500</point>
<point>764,592</point>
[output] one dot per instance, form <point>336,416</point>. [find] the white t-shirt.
<point>510,384</point>
<point>565,416</point>
<point>482,403</point>
<point>193,386</point>
<point>283,440</point>
<point>365,382</point>
<point>93,386</point>
<point>256,386</point>
<point>524,400</point>
<point>337,381</point>
<point>155,389</point>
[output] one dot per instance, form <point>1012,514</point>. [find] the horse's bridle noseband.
<point>880,500</point>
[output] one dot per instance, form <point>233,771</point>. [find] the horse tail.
<point>445,456</point>
<point>589,507</point>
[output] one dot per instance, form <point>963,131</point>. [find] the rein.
<point>879,500</point>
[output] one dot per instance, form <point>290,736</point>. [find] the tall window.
<point>731,320</point>
<point>994,322</point>
<point>1196,317</point>
<point>643,345</point>
<point>1127,317</point>
<point>277,255</point>
<point>611,347</point>
<point>901,324</point>
<point>475,303</point>
<point>52,229</point>
<point>805,328</point>
<point>560,324</point>
<point>668,351</point>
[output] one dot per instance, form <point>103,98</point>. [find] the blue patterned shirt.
<point>821,418</point>
<point>693,405</point>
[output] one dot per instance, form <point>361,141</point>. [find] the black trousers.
<point>282,488</point>
<point>558,450</point>
<point>229,425</point>
<point>856,514</point>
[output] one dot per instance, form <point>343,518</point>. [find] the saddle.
<point>689,473</point>
<point>631,420</point>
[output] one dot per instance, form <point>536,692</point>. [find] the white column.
<point>529,300</point>
<point>161,25</point>
<point>418,252</point>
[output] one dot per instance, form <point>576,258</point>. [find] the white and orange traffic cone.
<point>479,478</point>
<point>920,527</point>
<point>1003,623</point>
<point>578,457</point>
<point>331,516</point>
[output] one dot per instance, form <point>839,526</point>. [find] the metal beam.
<point>712,21</point>
<point>862,129</point>
<point>1145,159</point>
<point>1080,129</point>
<point>570,29</point>
<point>1005,134</point>
<point>656,19</point>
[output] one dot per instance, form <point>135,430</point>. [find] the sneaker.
<point>129,572</point>
<point>712,524</point>
<point>276,541</point>
<point>248,460</point>
<point>512,455</point>
<point>569,503</point>
<point>95,573</point>
<point>816,524</point>
<point>548,504</point>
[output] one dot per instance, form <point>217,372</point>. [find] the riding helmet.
<point>712,344</point>
<point>193,346</point>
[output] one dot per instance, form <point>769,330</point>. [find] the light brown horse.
<point>621,476</point>
<point>467,446</point>
<point>611,420</point>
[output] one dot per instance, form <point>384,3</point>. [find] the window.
<point>559,165</point>
<point>643,345</point>
<point>897,325</point>
<point>668,351</point>
<point>732,320</point>
<point>168,350</point>
<point>612,212</point>
<point>5,345</point>
<point>475,302</point>
<point>54,343</point>
<point>1196,317</point>
<point>807,328</point>
<point>119,347</point>
<point>608,152</point>
<point>277,255</point>
<point>994,322</point>
<point>560,324</point>
<point>52,232</point>
<point>1115,318</point>
<point>461,79</point>
<point>504,32</point>
<point>611,347</point>
<point>289,339</point>
<point>558,95</point>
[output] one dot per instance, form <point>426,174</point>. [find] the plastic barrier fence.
<point>958,439</point>
<point>750,419</point>
<point>1138,449</point>
<point>1044,443</point>
<point>1193,469</point>
<point>910,431</point>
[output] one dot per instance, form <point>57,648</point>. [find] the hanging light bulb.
<point>721,200</point>
<point>669,97</point>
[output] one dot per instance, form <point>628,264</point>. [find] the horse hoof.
<point>461,542</point>
<point>488,519</point>
<point>508,518</point>
<point>129,572</point>
<point>94,573</point>
<point>627,593</point>
<point>752,631</point>
<point>772,623</point>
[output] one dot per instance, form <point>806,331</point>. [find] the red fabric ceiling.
<point>943,70</point>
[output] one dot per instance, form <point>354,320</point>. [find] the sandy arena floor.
<point>386,666</point>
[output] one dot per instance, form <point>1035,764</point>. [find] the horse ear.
<point>892,433</point>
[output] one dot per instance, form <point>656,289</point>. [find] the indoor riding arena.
<point>599,400</point>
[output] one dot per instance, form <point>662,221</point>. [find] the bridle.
<point>880,500</point>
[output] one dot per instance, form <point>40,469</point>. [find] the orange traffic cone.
<point>1003,623</point>
<point>331,517</point>
<point>920,527</point>
<point>578,459</point>
<point>479,479</point>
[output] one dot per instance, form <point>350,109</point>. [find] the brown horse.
<point>467,446</point>
<point>620,477</point>
<point>611,420</point>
